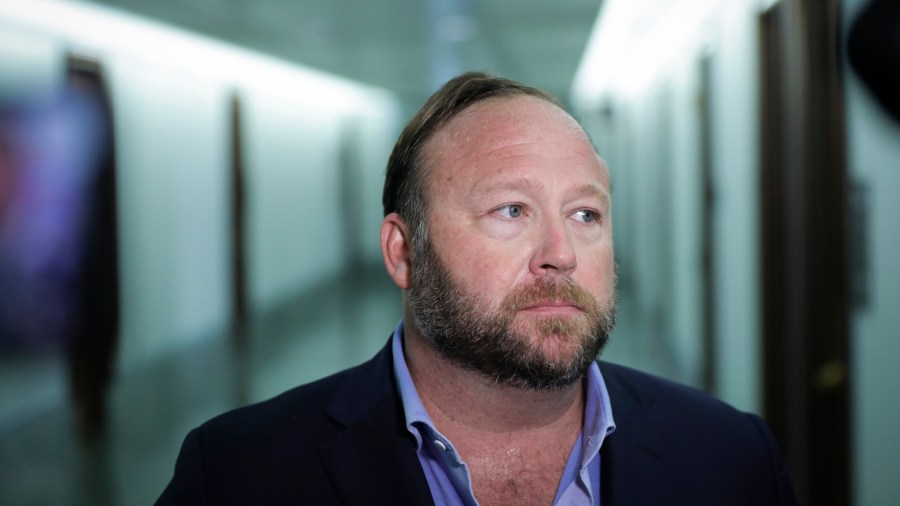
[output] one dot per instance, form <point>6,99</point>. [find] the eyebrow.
<point>593,191</point>
<point>522,184</point>
<point>518,184</point>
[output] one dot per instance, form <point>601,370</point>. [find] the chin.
<point>559,349</point>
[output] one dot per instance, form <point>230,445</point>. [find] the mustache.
<point>563,290</point>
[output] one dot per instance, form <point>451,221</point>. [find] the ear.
<point>395,249</point>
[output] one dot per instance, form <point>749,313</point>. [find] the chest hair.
<point>518,476</point>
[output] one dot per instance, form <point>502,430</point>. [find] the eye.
<point>511,210</point>
<point>587,215</point>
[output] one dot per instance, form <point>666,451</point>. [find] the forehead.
<point>495,118</point>
<point>507,133</point>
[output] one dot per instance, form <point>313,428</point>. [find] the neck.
<point>460,398</point>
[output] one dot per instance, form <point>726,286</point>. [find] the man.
<point>497,227</point>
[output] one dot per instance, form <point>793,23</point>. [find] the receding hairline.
<point>408,174</point>
<point>426,152</point>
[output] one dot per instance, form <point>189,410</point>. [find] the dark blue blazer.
<point>343,440</point>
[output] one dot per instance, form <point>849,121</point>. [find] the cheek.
<point>596,270</point>
<point>492,270</point>
<point>486,268</point>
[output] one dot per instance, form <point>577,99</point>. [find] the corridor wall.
<point>171,92</point>
<point>660,84</point>
<point>873,149</point>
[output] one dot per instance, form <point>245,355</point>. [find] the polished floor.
<point>42,462</point>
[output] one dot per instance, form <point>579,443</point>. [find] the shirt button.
<point>441,446</point>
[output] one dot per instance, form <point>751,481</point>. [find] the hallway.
<point>42,462</point>
<point>336,326</point>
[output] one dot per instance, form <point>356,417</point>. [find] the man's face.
<point>517,279</point>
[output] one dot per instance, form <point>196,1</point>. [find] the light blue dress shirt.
<point>448,476</point>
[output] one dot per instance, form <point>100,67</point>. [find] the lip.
<point>555,307</point>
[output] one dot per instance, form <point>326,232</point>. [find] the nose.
<point>554,252</point>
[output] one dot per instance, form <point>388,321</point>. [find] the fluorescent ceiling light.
<point>101,31</point>
<point>633,40</point>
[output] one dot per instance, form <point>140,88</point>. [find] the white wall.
<point>170,91</point>
<point>173,232</point>
<point>378,134</point>
<point>735,103</point>
<point>655,86</point>
<point>687,206</point>
<point>294,236</point>
<point>873,143</point>
<point>729,31</point>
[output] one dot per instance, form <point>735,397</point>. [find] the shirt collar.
<point>598,417</point>
<point>413,408</point>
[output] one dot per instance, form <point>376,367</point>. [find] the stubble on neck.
<point>473,401</point>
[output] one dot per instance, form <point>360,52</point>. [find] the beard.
<point>543,352</point>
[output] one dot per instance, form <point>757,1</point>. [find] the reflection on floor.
<point>42,463</point>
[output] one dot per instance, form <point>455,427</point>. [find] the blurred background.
<point>190,202</point>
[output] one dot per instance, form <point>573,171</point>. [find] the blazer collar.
<point>373,459</point>
<point>636,459</point>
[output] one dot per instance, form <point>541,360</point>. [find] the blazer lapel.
<point>636,460</point>
<point>373,460</point>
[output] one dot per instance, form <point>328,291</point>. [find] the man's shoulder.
<point>678,404</point>
<point>283,416</point>
<point>303,412</point>
<point>691,442</point>
<point>640,383</point>
<point>295,444</point>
